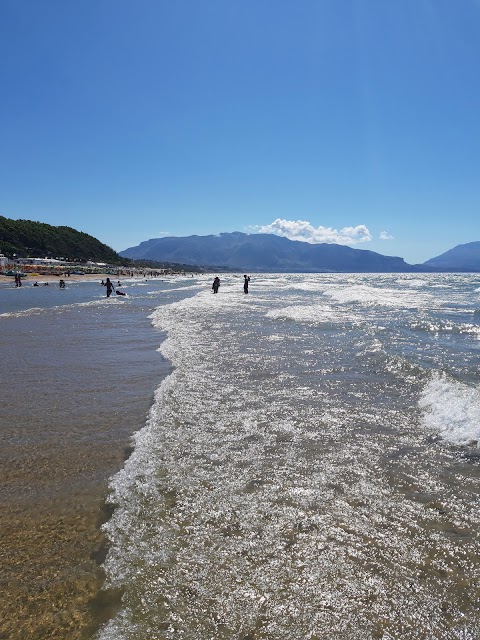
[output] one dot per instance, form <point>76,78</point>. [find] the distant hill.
<point>265,252</point>
<point>38,240</point>
<point>463,257</point>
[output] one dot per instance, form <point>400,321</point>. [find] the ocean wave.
<point>308,286</point>
<point>63,307</point>
<point>25,312</point>
<point>446,326</point>
<point>411,282</point>
<point>257,503</point>
<point>381,296</point>
<point>186,288</point>
<point>315,314</point>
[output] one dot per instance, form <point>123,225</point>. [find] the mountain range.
<point>226,251</point>
<point>463,257</point>
<point>270,253</point>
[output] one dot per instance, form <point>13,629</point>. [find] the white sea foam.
<point>191,287</point>
<point>66,307</point>
<point>24,312</point>
<point>451,409</point>
<point>379,296</point>
<point>411,282</point>
<point>266,281</point>
<point>265,497</point>
<point>309,286</point>
<point>439,326</point>
<point>314,313</point>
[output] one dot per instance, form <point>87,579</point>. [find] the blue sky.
<point>320,120</point>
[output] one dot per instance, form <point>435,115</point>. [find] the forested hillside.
<point>37,239</point>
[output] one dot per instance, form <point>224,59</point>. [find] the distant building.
<point>45,261</point>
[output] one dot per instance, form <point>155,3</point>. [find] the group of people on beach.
<point>216,284</point>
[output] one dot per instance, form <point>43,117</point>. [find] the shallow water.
<point>77,366</point>
<point>78,375</point>
<point>310,467</point>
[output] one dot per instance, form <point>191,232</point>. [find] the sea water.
<point>78,372</point>
<point>310,468</point>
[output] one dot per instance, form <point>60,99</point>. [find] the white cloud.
<point>384,235</point>
<point>302,230</point>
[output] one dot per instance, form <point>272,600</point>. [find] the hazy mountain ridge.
<point>265,252</point>
<point>234,251</point>
<point>463,256</point>
<point>271,253</point>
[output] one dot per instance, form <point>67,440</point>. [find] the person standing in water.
<point>246,280</point>
<point>109,286</point>
<point>216,284</point>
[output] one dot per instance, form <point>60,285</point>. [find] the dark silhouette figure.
<point>216,284</point>
<point>246,280</point>
<point>62,284</point>
<point>109,286</point>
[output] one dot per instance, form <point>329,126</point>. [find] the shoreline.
<point>57,462</point>
<point>87,277</point>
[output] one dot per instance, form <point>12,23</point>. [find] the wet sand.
<point>63,434</point>
<point>50,578</point>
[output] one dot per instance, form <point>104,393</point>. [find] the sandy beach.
<point>51,546</point>
<point>61,442</point>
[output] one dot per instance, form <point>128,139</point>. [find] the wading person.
<point>109,286</point>
<point>216,284</point>
<point>246,280</point>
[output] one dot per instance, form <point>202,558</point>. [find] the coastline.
<point>55,470</point>
<point>87,277</point>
